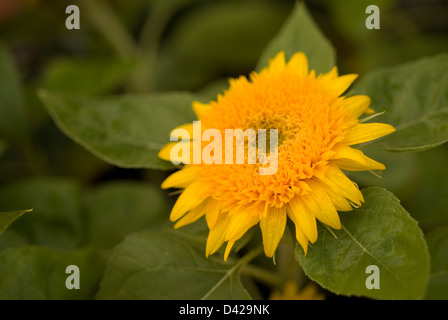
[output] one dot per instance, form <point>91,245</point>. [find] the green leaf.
<point>414,178</point>
<point>56,220</point>
<point>415,98</point>
<point>161,265</point>
<point>438,248</point>
<point>39,273</point>
<point>117,209</point>
<point>379,233</point>
<point>93,76</point>
<point>301,34</point>
<point>6,218</point>
<point>13,122</point>
<point>126,131</point>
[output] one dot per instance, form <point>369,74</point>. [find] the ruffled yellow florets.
<point>316,128</point>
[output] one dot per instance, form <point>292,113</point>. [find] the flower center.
<point>309,123</point>
<point>286,129</point>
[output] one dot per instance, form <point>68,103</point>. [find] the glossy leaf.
<point>126,131</point>
<point>161,265</point>
<point>380,233</point>
<point>301,34</point>
<point>414,97</point>
<point>92,76</point>
<point>6,218</point>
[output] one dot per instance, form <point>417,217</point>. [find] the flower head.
<point>291,292</point>
<point>316,128</point>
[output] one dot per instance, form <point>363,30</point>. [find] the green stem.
<point>243,261</point>
<point>155,24</point>
<point>262,275</point>
<point>108,24</point>
<point>143,79</point>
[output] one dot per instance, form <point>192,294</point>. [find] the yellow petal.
<point>189,199</point>
<point>216,236</point>
<point>177,155</point>
<point>342,83</point>
<point>300,215</point>
<point>277,64</point>
<point>272,228</point>
<point>201,109</point>
<point>363,132</point>
<point>299,64</point>
<point>182,178</point>
<point>321,206</point>
<point>301,237</point>
<point>337,85</point>
<point>228,248</point>
<point>339,202</point>
<point>241,221</point>
<point>342,185</point>
<point>357,105</point>
<point>212,212</point>
<point>188,127</point>
<point>165,152</point>
<point>329,76</point>
<point>192,216</point>
<point>351,159</point>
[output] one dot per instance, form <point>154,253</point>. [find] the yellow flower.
<point>316,129</point>
<point>291,292</point>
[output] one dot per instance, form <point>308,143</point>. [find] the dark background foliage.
<point>148,46</point>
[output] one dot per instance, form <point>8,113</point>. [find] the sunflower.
<point>291,292</point>
<point>316,128</point>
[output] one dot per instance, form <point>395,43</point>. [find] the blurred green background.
<point>143,46</point>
